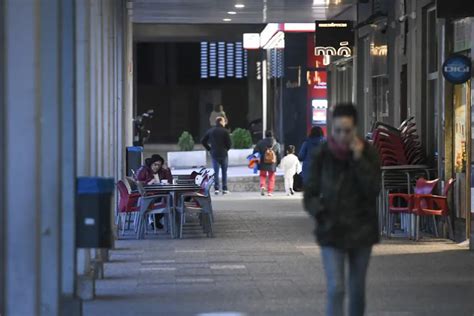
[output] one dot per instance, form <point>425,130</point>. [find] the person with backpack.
<point>291,166</point>
<point>270,156</point>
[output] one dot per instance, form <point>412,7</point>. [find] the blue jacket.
<point>309,145</point>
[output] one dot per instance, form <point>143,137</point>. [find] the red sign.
<point>316,80</point>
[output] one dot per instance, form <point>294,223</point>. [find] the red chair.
<point>422,187</point>
<point>127,205</point>
<point>434,205</point>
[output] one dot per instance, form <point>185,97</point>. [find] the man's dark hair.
<point>316,131</point>
<point>291,149</point>
<point>268,133</point>
<point>217,107</point>
<point>345,109</point>
<point>220,121</point>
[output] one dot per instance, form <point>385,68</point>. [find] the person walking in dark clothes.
<point>341,193</point>
<point>217,142</point>
<point>315,138</point>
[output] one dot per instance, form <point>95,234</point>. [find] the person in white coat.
<point>291,166</point>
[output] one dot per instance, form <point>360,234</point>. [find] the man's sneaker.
<point>262,191</point>
<point>225,192</point>
<point>270,194</point>
<point>216,192</point>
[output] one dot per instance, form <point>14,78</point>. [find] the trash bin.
<point>134,159</point>
<point>93,212</point>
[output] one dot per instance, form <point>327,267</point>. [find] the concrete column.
<point>86,120</point>
<point>105,89</point>
<point>128,79</point>
<point>93,31</point>
<point>83,88</point>
<point>38,91</point>
<point>22,255</point>
<point>2,168</point>
<point>68,157</point>
<point>120,62</point>
<point>100,89</point>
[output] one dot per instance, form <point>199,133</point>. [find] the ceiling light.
<point>226,20</point>
<point>232,12</point>
<point>239,6</point>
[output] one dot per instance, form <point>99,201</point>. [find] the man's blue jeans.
<point>334,265</point>
<point>220,163</point>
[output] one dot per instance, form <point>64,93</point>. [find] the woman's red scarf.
<point>339,151</point>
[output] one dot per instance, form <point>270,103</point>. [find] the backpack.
<point>270,156</point>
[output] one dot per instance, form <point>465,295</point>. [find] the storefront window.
<point>380,88</point>
<point>461,129</point>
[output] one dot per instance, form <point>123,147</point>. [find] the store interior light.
<point>231,12</point>
<point>226,20</point>
<point>240,6</point>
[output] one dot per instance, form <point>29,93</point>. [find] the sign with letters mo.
<point>457,69</point>
<point>334,38</point>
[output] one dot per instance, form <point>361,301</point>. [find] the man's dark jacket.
<point>342,195</point>
<point>217,141</point>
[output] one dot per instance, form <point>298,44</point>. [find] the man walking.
<point>217,142</point>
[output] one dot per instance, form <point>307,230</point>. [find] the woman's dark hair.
<point>148,162</point>
<point>154,158</point>
<point>345,109</point>
<point>217,107</point>
<point>316,131</point>
<point>268,133</point>
<point>291,149</point>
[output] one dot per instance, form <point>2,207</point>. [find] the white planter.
<point>186,159</point>
<point>238,157</point>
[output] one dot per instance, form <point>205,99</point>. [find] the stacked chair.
<point>398,146</point>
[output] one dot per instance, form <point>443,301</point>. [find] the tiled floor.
<point>264,261</point>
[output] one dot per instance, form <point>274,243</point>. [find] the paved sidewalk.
<point>264,261</point>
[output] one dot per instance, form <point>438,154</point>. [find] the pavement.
<point>263,261</point>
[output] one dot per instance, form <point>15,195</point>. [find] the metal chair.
<point>151,205</point>
<point>198,202</point>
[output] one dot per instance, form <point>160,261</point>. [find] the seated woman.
<point>153,172</point>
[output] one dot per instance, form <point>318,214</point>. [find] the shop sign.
<point>457,69</point>
<point>334,38</point>
<point>251,40</point>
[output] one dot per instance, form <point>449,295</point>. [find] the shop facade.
<point>396,72</point>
